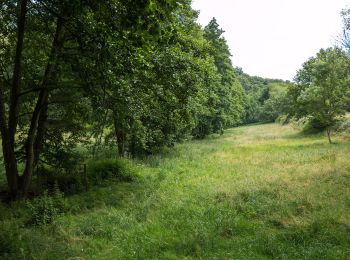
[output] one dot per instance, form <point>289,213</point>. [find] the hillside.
<point>257,192</point>
<point>264,98</point>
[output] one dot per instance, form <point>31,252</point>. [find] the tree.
<point>149,88</point>
<point>226,96</point>
<point>15,95</point>
<point>264,98</point>
<point>142,74</point>
<point>322,89</point>
<point>44,54</point>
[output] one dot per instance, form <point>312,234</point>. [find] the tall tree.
<point>322,89</point>
<point>226,96</point>
<point>20,97</point>
<point>48,36</point>
<point>130,90</point>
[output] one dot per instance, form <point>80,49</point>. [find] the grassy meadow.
<point>257,192</point>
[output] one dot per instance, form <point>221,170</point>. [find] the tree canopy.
<point>322,91</point>
<point>135,75</point>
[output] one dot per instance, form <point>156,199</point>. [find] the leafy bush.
<point>120,169</point>
<point>283,119</point>
<point>43,210</point>
<point>6,247</point>
<point>68,182</point>
<point>343,126</point>
<point>307,125</point>
<point>312,127</point>
<point>71,182</point>
<point>9,244</point>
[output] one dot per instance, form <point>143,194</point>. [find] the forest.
<point>127,132</point>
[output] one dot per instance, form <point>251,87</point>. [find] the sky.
<point>273,38</point>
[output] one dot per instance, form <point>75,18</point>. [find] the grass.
<point>257,192</point>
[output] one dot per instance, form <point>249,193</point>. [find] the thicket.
<point>134,76</point>
<point>265,99</point>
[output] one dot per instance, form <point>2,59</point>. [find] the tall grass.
<point>257,192</point>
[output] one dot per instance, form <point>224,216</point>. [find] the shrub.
<point>71,182</point>
<point>6,247</point>
<point>119,169</point>
<point>283,119</point>
<point>343,126</point>
<point>43,210</point>
<point>311,128</point>
<point>68,182</point>
<point>307,125</point>
<point>9,244</point>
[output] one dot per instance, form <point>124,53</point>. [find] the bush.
<point>313,126</point>
<point>43,210</point>
<point>119,169</point>
<point>317,125</point>
<point>310,129</point>
<point>343,126</point>
<point>6,247</point>
<point>71,182</point>
<point>308,126</point>
<point>68,182</point>
<point>9,244</point>
<point>283,119</point>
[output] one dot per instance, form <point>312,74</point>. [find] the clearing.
<point>257,192</point>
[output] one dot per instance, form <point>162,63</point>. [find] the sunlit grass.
<point>257,192</point>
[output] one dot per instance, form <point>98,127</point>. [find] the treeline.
<point>318,97</point>
<point>264,100</point>
<point>137,75</point>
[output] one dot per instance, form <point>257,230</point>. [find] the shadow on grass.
<point>306,134</point>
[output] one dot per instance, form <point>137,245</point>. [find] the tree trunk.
<point>133,146</point>
<point>9,158</point>
<point>38,121</point>
<point>120,135</point>
<point>39,140</point>
<point>29,146</point>
<point>10,168</point>
<point>121,143</point>
<point>8,131</point>
<point>329,135</point>
<point>17,72</point>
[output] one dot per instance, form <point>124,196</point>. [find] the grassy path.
<point>257,192</point>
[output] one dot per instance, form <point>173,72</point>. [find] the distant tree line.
<point>319,93</point>
<point>264,100</point>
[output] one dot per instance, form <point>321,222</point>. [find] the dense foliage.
<point>321,95</point>
<point>322,92</point>
<point>223,106</point>
<point>265,99</point>
<point>133,75</point>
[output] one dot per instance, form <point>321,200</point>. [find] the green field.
<point>257,192</point>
